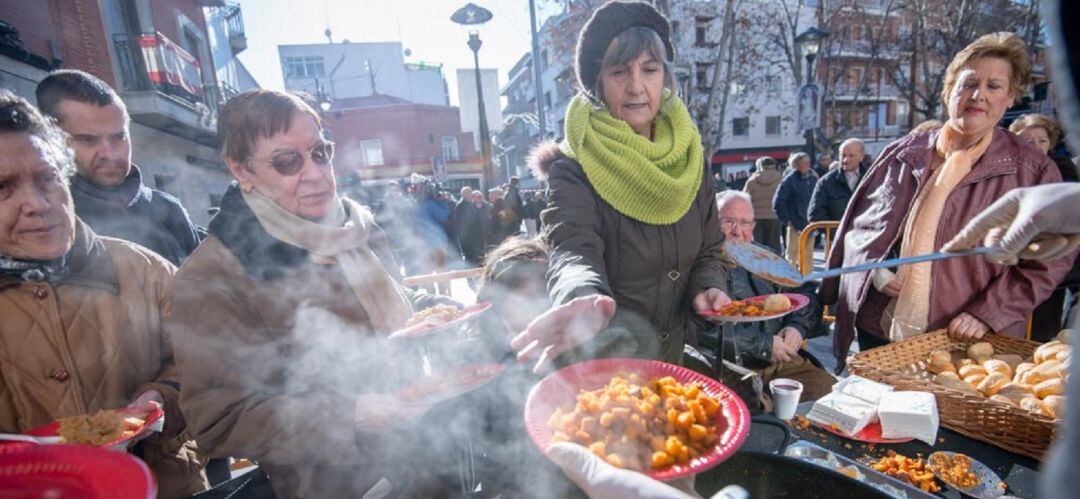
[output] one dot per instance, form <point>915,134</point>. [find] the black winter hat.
<point>608,22</point>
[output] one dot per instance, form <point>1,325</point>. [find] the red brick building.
<point>158,55</point>
<point>382,138</point>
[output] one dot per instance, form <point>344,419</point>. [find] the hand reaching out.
<point>562,328</point>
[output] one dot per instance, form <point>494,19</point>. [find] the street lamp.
<point>809,44</point>
<point>471,16</point>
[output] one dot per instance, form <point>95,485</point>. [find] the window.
<point>701,30</point>
<point>772,86</point>
<point>772,125</point>
<point>304,67</point>
<point>450,149</point>
<point>372,151</point>
<point>740,127</point>
<point>702,75</point>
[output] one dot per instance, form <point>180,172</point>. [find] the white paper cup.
<point>785,394</point>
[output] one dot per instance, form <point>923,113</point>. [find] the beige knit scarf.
<point>345,242</point>
<point>920,233</point>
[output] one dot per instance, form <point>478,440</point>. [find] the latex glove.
<point>378,411</point>
<point>1031,223</point>
<point>966,327</point>
<point>147,401</point>
<point>562,328</point>
<point>710,299</point>
<point>601,480</point>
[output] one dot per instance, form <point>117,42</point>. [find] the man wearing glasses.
<point>108,190</point>
<point>773,348</point>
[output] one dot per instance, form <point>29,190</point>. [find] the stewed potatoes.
<point>639,425</point>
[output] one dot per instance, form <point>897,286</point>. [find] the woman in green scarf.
<point>632,225</point>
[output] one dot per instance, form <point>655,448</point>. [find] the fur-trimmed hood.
<point>542,156</point>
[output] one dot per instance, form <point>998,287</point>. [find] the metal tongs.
<point>767,265</point>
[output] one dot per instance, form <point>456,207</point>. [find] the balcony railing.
<point>234,25</point>
<point>870,91</point>
<point>153,62</point>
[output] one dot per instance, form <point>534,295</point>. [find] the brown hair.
<point>257,114</point>
<point>74,85</point>
<point>499,262</point>
<point>1001,45</point>
<point>1053,131</point>
<point>19,116</point>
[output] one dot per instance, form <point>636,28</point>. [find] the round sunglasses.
<point>290,163</point>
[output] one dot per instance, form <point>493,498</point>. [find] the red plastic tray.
<point>561,388</point>
<point>72,472</point>
<point>53,429</point>
<point>797,301</point>
<point>425,328</point>
<point>870,434</point>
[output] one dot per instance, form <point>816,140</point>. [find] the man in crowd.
<point>108,190</point>
<point>824,165</point>
<point>833,191</point>
<point>514,205</point>
<point>791,202</point>
<point>761,187</point>
<point>773,348</point>
<point>470,226</point>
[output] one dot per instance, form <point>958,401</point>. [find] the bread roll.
<point>992,383</point>
<point>1015,392</point>
<point>951,380</point>
<point>1065,336</point>
<point>1032,404</point>
<point>965,362</point>
<point>1049,387</point>
<point>998,366</point>
<point>1011,359</point>
<point>941,367</point>
<point>1049,351</point>
<point>1064,355</point>
<point>974,379</point>
<point>1003,399</point>
<point>1054,406</point>
<point>1042,372</point>
<point>981,351</point>
<point>966,371</point>
<point>1019,371</point>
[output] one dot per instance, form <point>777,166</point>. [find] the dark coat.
<point>792,199</point>
<point>750,343</point>
<point>652,271</point>
<point>136,213</point>
<point>470,231</point>
<point>831,196</point>
<point>999,295</point>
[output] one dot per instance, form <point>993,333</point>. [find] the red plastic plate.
<point>445,386</point>
<point>797,301</point>
<point>426,328</point>
<point>561,388</point>
<point>870,434</point>
<point>72,471</point>
<point>53,429</point>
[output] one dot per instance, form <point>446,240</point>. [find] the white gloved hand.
<point>601,480</point>
<point>1031,223</point>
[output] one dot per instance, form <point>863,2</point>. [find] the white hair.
<point>853,140</point>
<point>725,197</point>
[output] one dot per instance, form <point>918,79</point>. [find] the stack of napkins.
<point>851,405</point>
<point>862,388</point>
<point>909,415</point>
<point>849,414</point>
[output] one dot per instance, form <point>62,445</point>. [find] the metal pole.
<point>536,71</point>
<point>485,139</point>
<point>810,131</point>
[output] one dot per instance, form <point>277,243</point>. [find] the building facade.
<point>348,70</point>
<point>160,58</point>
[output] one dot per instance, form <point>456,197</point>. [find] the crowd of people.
<point>265,337</point>
<point>432,229</point>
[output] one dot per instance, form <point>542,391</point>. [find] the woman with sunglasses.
<point>279,317</point>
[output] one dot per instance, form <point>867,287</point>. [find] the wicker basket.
<point>901,365</point>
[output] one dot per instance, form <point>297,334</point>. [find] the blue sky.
<point>423,27</point>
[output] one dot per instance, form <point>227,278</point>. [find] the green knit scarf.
<point>650,181</point>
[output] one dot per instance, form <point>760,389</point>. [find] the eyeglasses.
<point>730,223</point>
<point>290,163</point>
